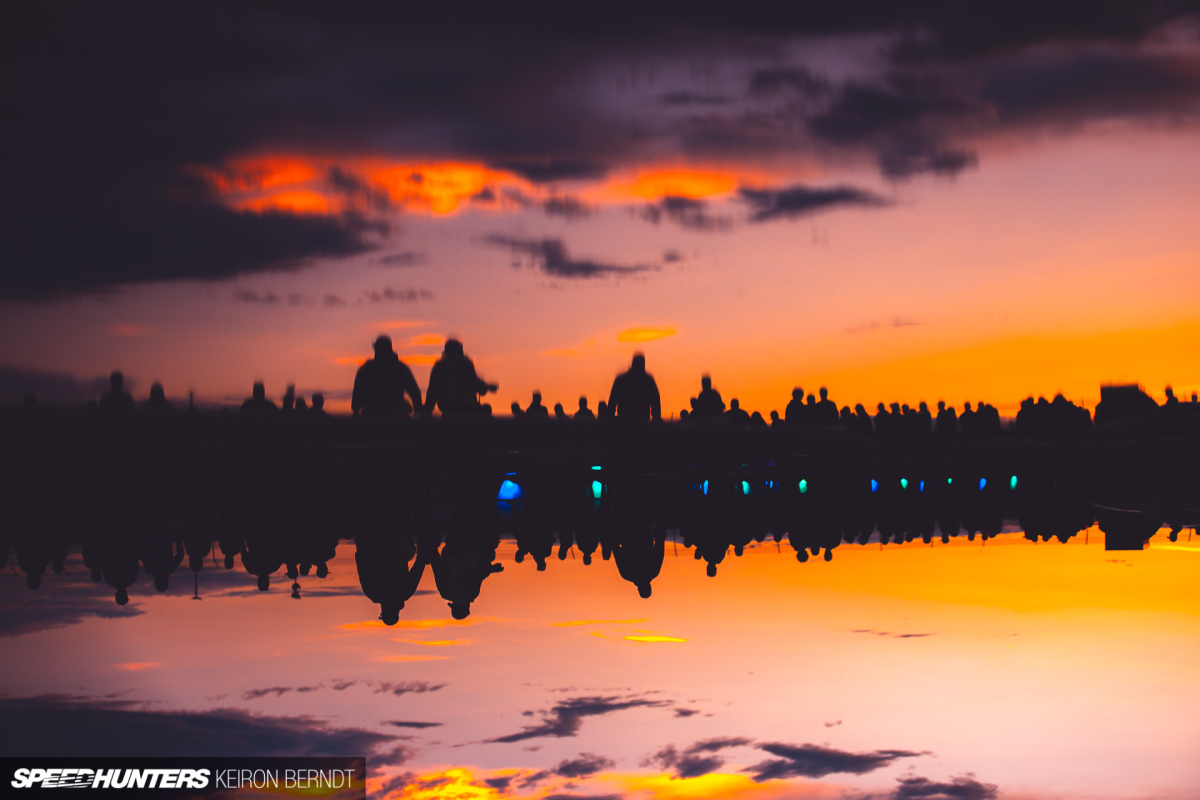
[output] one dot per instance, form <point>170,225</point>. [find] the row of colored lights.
<point>510,490</point>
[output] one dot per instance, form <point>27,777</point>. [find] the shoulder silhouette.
<point>381,384</point>
<point>634,396</point>
<point>454,386</point>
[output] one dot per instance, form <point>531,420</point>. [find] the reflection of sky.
<point>1047,670</point>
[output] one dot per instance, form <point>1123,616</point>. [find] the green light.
<point>597,489</point>
<point>1012,484</point>
<point>949,481</point>
<point>803,486</point>
<point>904,483</point>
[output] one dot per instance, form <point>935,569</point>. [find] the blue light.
<point>509,491</point>
<point>904,483</point>
<point>982,483</point>
<point>745,487</point>
<point>597,489</point>
<point>1012,483</point>
<point>596,468</point>
<point>803,486</point>
<point>874,485</point>
<point>771,484</point>
<point>705,487</point>
<point>921,488</point>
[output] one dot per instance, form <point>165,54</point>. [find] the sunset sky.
<point>933,201</point>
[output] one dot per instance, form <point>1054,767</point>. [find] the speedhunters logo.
<point>186,778</point>
<point>68,778</point>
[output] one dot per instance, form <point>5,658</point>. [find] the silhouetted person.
<point>517,411</point>
<point>639,558</point>
<point>384,573</point>
<point>708,403</point>
<point>757,421</point>
<point>288,403</point>
<point>454,386</point>
<point>459,570</point>
<point>966,421</point>
<point>318,404</point>
<point>258,404</point>
<point>560,413</point>
<point>794,413</point>
<point>924,421</point>
<point>1172,400</point>
<point>537,411</point>
<point>634,396</point>
<point>157,404</point>
<point>827,412</point>
<point>862,420</point>
<point>736,414</point>
<point>301,406</point>
<point>584,414</point>
<point>116,400</point>
<point>775,420</point>
<point>947,421</point>
<point>382,382</point>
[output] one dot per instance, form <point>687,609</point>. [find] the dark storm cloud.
<point>587,764</point>
<point>76,727</point>
<point>699,759</point>
<point>278,691</point>
<point>549,171</point>
<point>686,211</point>
<point>419,725</point>
<point>566,207</point>
<point>49,387</point>
<point>410,687</point>
<point>408,258</point>
<point>565,718</point>
<point>397,756</point>
<point>812,761</point>
<point>551,257</point>
<point>113,108</point>
<point>390,295</point>
<point>795,201</point>
<point>500,784</point>
<point>58,609</point>
<point>963,787</point>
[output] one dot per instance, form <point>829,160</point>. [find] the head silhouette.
<point>798,394</point>
<point>774,416</point>
<point>390,615</point>
<point>122,597</point>
<point>460,610</point>
<point>537,398</point>
<point>639,363</point>
<point>318,402</point>
<point>383,346</point>
<point>229,561</point>
<point>33,580</point>
<point>734,405</point>
<point>157,394</point>
<point>824,393</point>
<point>516,408</point>
<point>322,570</point>
<point>116,380</point>
<point>582,403</point>
<point>706,383</point>
<point>259,392</point>
<point>711,571</point>
<point>264,582</point>
<point>644,589</point>
<point>160,582</point>
<point>941,405</point>
<point>453,349</point>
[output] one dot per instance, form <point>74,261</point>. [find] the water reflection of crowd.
<point>453,526</point>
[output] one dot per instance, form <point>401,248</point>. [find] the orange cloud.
<point>434,642</point>
<point>295,202</point>
<point>350,361</point>
<point>137,666</point>
<point>399,324</point>
<point>424,340</point>
<point>681,183</point>
<point>399,658</point>
<point>644,334</point>
<point>437,188</point>
<point>419,358</point>
<point>653,638</point>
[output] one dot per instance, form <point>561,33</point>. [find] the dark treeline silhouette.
<point>283,519</point>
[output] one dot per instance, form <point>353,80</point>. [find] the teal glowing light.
<point>803,486</point>
<point>904,483</point>
<point>982,483</point>
<point>1012,482</point>
<point>597,489</point>
<point>745,487</point>
<point>874,485</point>
<point>596,468</point>
<point>509,491</point>
<point>949,481</point>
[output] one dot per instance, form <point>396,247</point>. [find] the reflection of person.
<point>634,396</point>
<point>382,382</point>
<point>640,558</point>
<point>454,387</point>
<point>384,574</point>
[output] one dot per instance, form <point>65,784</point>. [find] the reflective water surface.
<point>599,634</point>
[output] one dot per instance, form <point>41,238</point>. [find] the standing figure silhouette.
<point>634,396</point>
<point>382,382</point>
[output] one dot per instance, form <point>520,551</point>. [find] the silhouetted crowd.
<point>384,387</point>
